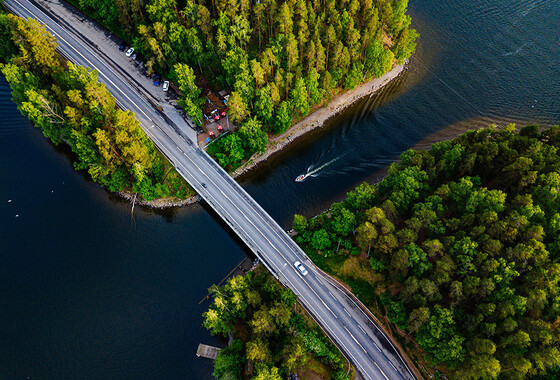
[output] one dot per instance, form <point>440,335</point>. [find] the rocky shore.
<point>159,203</point>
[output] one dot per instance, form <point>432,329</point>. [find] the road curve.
<point>350,328</point>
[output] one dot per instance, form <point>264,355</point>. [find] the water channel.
<point>86,291</point>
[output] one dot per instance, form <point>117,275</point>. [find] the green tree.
<point>238,110</point>
<point>378,60</point>
<point>294,356</point>
<point>300,223</point>
<point>299,97</point>
<point>186,81</point>
<point>366,235</point>
<point>313,88</point>
<point>255,139</point>
<point>263,372</point>
<point>194,112</point>
<point>283,117</point>
<point>320,240</point>
<point>264,106</point>
<point>344,222</point>
<point>258,350</point>
<point>229,363</point>
<point>417,318</point>
<point>263,322</point>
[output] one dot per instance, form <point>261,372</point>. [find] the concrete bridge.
<point>340,315</point>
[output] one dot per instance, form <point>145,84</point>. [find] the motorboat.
<point>301,177</point>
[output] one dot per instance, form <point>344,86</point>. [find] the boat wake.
<point>314,172</point>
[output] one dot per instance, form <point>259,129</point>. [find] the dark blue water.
<point>88,292</point>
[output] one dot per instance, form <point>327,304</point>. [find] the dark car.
<point>122,47</point>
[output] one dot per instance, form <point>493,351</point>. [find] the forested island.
<point>271,335</point>
<point>279,59</point>
<point>69,105</point>
<point>460,247</point>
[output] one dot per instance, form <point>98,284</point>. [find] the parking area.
<point>134,64</point>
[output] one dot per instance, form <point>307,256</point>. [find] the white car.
<point>301,268</point>
<point>166,85</point>
<point>129,52</point>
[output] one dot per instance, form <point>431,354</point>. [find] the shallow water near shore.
<point>87,291</point>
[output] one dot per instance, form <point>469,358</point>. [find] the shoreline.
<point>319,118</point>
<point>276,144</point>
<point>159,203</point>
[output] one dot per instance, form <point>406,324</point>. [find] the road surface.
<point>350,328</point>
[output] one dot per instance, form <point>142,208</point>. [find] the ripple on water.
<point>10,126</point>
<point>86,274</point>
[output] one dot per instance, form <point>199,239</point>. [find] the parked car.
<point>301,268</point>
<point>166,85</point>
<point>122,47</point>
<point>133,56</point>
<point>129,52</point>
<point>156,82</point>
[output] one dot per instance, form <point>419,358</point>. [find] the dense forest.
<point>272,336</point>
<point>70,106</point>
<point>279,58</point>
<point>465,239</point>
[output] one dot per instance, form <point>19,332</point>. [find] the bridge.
<point>336,311</point>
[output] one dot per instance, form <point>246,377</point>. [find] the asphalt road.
<point>350,328</point>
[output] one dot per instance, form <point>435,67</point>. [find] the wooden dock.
<point>208,352</point>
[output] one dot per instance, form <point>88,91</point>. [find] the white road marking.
<point>326,305</point>
<point>383,373</point>
<point>94,67</point>
<point>250,206</point>
<point>355,340</point>
<point>361,328</point>
<point>276,249</point>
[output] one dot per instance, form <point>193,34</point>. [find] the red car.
<point>223,113</point>
<point>211,133</point>
<point>220,128</point>
<point>217,117</point>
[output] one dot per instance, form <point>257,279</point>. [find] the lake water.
<point>87,291</point>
